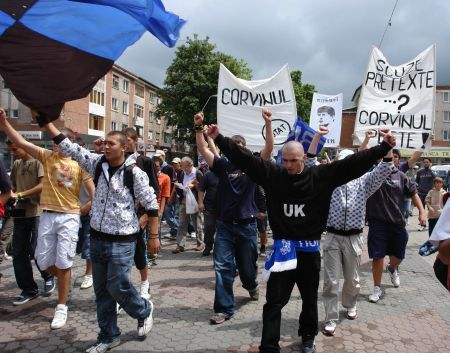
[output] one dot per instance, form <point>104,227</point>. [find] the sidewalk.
<point>412,318</point>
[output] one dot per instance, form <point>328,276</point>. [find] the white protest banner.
<point>327,111</point>
<point>399,97</point>
<point>240,103</point>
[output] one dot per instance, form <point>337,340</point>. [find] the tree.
<point>191,79</point>
<point>303,95</point>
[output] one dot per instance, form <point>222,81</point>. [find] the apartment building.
<point>119,100</point>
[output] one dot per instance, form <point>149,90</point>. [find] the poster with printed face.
<point>401,98</point>
<point>240,103</point>
<point>327,111</point>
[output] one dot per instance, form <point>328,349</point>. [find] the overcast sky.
<point>329,41</point>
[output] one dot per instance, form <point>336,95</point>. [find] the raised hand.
<point>198,118</point>
<point>267,115</point>
<point>387,136</point>
<point>2,116</point>
<point>323,130</point>
<point>212,131</point>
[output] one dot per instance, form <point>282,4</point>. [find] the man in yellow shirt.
<point>59,222</point>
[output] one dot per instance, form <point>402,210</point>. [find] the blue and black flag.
<point>54,51</point>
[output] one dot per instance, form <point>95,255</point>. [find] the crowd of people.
<point>108,205</point>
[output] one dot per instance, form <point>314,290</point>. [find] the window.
<point>124,126</point>
<point>138,111</point>
<point>158,121</point>
<point>446,96</point>
<point>114,104</point>
<point>13,113</point>
<point>446,117</point>
<point>446,135</point>
<point>96,122</point>
<point>125,107</point>
<point>115,82</point>
<point>168,138</point>
<point>139,90</point>
<point>151,116</point>
<point>97,97</point>
<point>150,135</point>
<point>153,98</point>
<point>139,130</point>
<point>126,86</point>
<point>114,126</point>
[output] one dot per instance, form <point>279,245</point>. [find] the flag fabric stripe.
<point>152,14</point>
<point>38,70</point>
<point>84,26</point>
<point>6,21</point>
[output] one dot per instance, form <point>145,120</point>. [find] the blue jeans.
<point>83,244</point>
<point>235,246</point>
<point>111,270</point>
<point>23,246</point>
<point>171,217</point>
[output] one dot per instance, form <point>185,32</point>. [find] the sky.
<point>329,41</point>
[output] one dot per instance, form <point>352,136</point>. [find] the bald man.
<point>298,199</point>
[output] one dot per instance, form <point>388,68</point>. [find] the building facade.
<point>119,100</point>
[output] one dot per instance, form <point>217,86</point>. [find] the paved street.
<point>412,318</point>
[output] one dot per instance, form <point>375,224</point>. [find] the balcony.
<point>139,121</point>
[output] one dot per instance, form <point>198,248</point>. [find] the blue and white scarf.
<point>283,256</point>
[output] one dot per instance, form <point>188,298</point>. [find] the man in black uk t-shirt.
<point>298,199</point>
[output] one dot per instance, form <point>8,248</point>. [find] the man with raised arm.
<point>114,231</point>
<point>235,244</point>
<point>298,199</point>
<point>60,219</point>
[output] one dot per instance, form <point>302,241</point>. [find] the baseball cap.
<point>176,160</point>
<point>416,167</point>
<point>160,153</point>
<point>344,153</point>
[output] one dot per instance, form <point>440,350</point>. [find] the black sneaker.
<point>24,298</point>
<point>206,251</point>
<point>49,287</point>
<point>254,293</point>
<point>308,344</point>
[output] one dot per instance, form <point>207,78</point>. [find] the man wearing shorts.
<point>387,233</point>
<point>60,219</point>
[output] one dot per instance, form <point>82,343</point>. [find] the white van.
<point>443,172</point>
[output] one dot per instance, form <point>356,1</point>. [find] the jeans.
<point>171,217</point>
<point>111,270</point>
<point>235,245</point>
<point>209,228</point>
<point>83,244</point>
<point>23,246</point>
<point>279,289</point>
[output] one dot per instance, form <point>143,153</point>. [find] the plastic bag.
<point>191,202</point>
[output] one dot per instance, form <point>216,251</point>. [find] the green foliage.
<point>190,80</point>
<point>303,95</point>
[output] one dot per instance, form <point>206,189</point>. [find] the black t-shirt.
<point>208,184</point>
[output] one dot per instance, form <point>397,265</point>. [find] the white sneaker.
<point>145,290</point>
<point>119,309</point>
<point>60,318</point>
<point>395,278</point>
<point>99,347</point>
<point>87,282</point>
<point>376,295</point>
<point>145,325</point>
<point>329,328</point>
<point>352,313</point>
